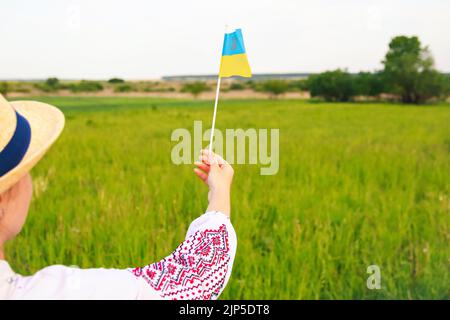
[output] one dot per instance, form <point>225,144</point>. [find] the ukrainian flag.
<point>234,59</point>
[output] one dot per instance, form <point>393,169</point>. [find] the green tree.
<point>52,82</point>
<point>116,80</point>
<point>275,87</point>
<point>446,79</point>
<point>4,88</point>
<point>337,85</point>
<point>369,84</point>
<point>195,88</point>
<point>409,71</point>
<point>50,85</point>
<point>431,85</point>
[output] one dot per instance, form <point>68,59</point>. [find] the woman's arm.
<point>199,268</point>
<point>218,175</point>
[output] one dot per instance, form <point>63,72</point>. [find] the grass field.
<point>359,184</point>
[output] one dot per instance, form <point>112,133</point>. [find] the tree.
<point>369,84</point>
<point>50,85</point>
<point>116,80</point>
<point>52,82</point>
<point>4,88</point>
<point>431,84</point>
<point>195,88</point>
<point>446,79</point>
<point>337,85</point>
<point>409,71</point>
<point>275,87</point>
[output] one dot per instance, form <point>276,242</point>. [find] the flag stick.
<point>214,115</point>
<point>215,106</point>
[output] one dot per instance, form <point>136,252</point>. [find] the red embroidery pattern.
<point>196,270</point>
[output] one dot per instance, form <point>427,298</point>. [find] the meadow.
<point>359,184</point>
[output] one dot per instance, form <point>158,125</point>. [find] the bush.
<point>124,88</point>
<point>298,85</point>
<point>4,88</point>
<point>334,85</point>
<point>254,85</point>
<point>50,85</point>
<point>22,90</point>
<point>369,84</point>
<point>237,86</point>
<point>86,86</point>
<point>195,88</point>
<point>150,89</point>
<point>430,85</point>
<point>446,80</point>
<point>116,80</point>
<point>275,87</point>
<point>160,89</point>
<point>52,82</point>
<point>19,87</point>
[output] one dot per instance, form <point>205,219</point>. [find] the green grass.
<point>359,184</point>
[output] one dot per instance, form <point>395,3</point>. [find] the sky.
<point>136,39</point>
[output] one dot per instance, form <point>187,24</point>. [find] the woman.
<point>199,268</point>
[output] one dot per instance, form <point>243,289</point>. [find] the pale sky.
<point>138,39</point>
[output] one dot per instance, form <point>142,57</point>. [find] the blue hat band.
<point>15,150</point>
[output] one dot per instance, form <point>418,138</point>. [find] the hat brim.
<point>46,123</point>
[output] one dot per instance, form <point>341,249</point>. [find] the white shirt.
<point>199,268</point>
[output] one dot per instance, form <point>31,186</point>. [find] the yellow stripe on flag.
<point>235,65</point>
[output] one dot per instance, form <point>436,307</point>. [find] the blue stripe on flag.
<point>233,43</point>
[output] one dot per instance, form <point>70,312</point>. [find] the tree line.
<point>409,75</point>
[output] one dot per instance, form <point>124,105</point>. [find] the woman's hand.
<point>218,175</point>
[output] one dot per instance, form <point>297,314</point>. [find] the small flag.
<point>234,59</point>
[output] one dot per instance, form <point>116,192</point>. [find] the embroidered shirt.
<point>199,268</point>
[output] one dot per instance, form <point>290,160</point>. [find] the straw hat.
<point>27,130</point>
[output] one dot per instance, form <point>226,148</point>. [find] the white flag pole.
<point>215,107</point>
<point>214,115</point>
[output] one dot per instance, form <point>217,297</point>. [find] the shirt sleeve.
<point>199,268</point>
<point>71,283</point>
